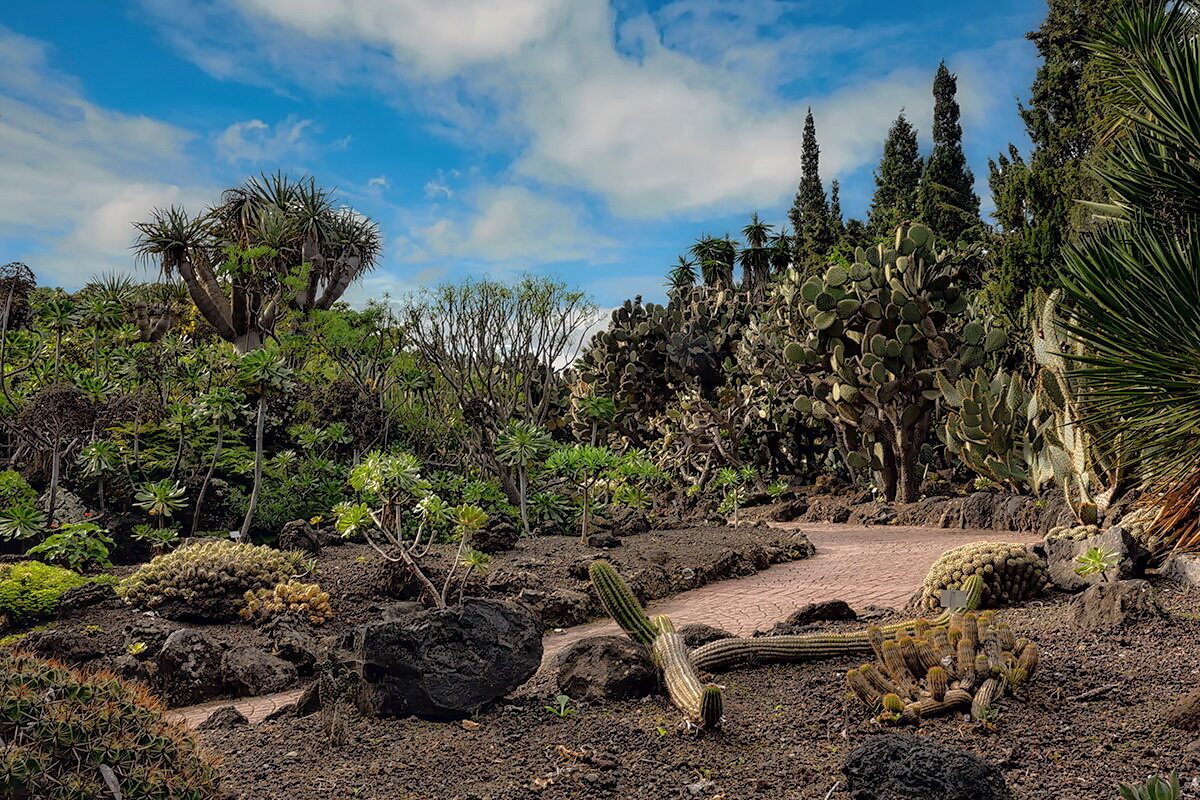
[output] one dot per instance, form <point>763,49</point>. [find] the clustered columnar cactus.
<point>880,332</point>
<point>1010,573</point>
<point>74,736</point>
<point>207,580</point>
<point>701,704</point>
<point>969,662</point>
<point>992,425</point>
<point>304,600</point>
<point>1076,533</point>
<point>725,654</point>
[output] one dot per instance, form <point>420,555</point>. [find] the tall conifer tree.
<point>814,235</point>
<point>1036,198</point>
<point>946,199</point>
<point>897,179</point>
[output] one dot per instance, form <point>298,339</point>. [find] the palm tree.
<point>1135,280</point>
<point>755,257</point>
<point>260,372</point>
<point>781,252</point>
<point>682,277</point>
<point>270,242</point>
<point>715,257</point>
<point>221,408</point>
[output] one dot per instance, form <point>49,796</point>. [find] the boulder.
<point>788,510</point>
<point>189,667</point>
<point>497,536</point>
<point>902,766</point>
<point>825,611</point>
<point>559,608</point>
<point>445,663</point>
<point>1183,568</point>
<point>147,635</point>
<point>400,608</point>
<point>292,640</point>
<point>629,522</point>
<point>697,633</point>
<point>604,668</point>
<point>223,718</point>
<point>1061,556</point>
<point>299,534</point>
<point>249,671</point>
<point>1185,713</point>
<point>1106,606</point>
<point>603,540</point>
<point>89,595</point>
<point>69,645</point>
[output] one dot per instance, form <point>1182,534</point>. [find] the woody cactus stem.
<point>725,654</point>
<point>620,602</point>
<point>702,704</point>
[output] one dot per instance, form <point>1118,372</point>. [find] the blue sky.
<point>589,139</point>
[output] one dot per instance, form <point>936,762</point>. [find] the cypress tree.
<point>896,180</point>
<point>946,199</point>
<point>1035,198</point>
<point>814,234</point>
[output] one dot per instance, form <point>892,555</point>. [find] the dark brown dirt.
<point>788,730</point>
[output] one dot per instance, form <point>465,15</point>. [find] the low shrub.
<point>71,735</point>
<point>31,590</point>
<point>207,581</point>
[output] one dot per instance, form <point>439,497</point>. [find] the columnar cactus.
<point>725,654</point>
<point>1010,573</point>
<point>621,604</point>
<point>701,703</point>
<point>879,332</point>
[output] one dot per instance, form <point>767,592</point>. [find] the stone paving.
<point>880,566</point>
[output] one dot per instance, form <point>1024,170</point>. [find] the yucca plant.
<point>1133,282</point>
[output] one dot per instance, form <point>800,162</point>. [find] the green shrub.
<point>207,581</point>
<point>31,589</point>
<point>14,489</point>
<point>59,724</point>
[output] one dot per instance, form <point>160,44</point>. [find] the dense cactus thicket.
<point>879,332</point>
<point>305,601</point>
<point>208,581</point>
<point>69,735</point>
<point>1011,573</point>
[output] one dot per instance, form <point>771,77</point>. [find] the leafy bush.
<point>58,724</point>
<point>31,589</point>
<point>14,489</point>
<point>207,581</point>
<point>77,545</point>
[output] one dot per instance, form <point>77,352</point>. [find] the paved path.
<point>881,566</point>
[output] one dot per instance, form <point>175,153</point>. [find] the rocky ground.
<point>546,573</point>
<point>1096,713</point>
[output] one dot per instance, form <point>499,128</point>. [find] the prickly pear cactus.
<point>1011,573</point>
<point>992,426</point>
<point>876,335</point>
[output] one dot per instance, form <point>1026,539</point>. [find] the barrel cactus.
<point>71,735</point>
<point>875,336</point>
<point>208,581</point>
<point>303,601</point>
<point>1011,573</point>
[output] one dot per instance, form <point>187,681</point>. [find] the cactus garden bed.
<point>1093,716</point>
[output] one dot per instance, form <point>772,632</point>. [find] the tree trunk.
<point>258,464</point>
<point>246,342</point>
<point>524,490</point>
<point>52,491</point>
<point>212,466</point>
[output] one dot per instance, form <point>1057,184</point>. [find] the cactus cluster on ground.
<point>969,662</point>
<point>303,600</point>
<point>70,735</point>
<point>1010,573</point>
<point>1076,533</point>
<point>208,579</point>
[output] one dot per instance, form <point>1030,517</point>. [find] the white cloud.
<point>512,225</point>
<point>75,174</point>
<point>379,182</point>
<point>255,141</point>
<point>642,113</point>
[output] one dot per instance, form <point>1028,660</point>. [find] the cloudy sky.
<point>589,139</point>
